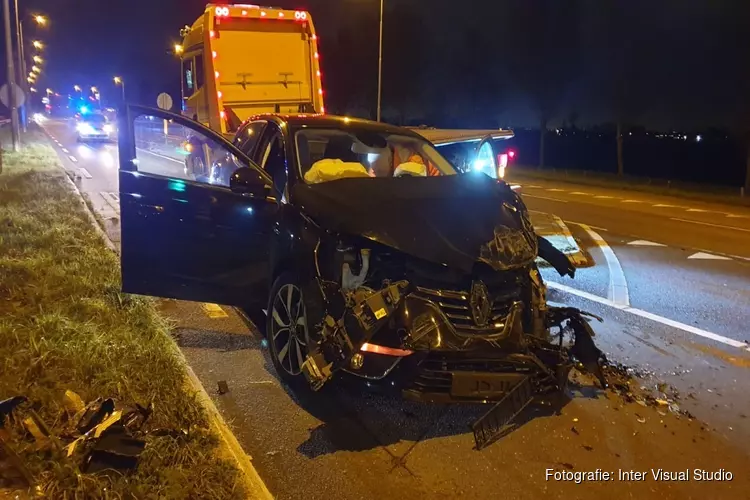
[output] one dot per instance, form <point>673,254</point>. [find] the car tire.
<point>293,309</point>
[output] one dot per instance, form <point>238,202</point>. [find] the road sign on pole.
<point>18,95</point>
<point>164,101</point>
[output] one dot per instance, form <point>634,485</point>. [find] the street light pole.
<point>380,59</point>
<point>121,82</point>
<point>15,134</point>
<point>21,67</point>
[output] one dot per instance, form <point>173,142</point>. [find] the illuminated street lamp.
<point>36,69</point>
<point>32,89</point>
<point>38,60</point>
<point>121,82</point>
<point>178,49</point>
<point>38,45</point>
<point>50,91</point>
<point>40,20</point>
<point>30,80</point>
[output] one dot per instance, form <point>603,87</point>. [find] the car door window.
<point>170,149</point>
<point>273,160</point>
<point>248,136</point>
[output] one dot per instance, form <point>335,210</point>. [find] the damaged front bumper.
<point>439,353</point>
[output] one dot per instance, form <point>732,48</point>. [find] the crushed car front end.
<point>422,313</point>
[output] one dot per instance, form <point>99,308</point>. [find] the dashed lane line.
<point>73,159</point>
<point>731,228</point>
<point>646,243</point>
<point>65,151</point>
<point>653,317</point>
<point>618,286</point>
<point>545,198</point>
<point>629,200</point>
<point>85,173</point>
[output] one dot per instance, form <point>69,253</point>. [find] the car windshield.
<point>330,154</point>
<point>95,119</point>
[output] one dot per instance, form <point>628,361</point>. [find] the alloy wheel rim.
<point>289,329</point>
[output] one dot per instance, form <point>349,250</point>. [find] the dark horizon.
<point>677,65</point>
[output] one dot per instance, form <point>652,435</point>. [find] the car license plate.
<point>477,385</point>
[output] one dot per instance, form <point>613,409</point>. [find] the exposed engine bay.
<point>452,299</point>
<point>368,293</point>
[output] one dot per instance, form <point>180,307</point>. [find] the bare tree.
<point>544,59</point>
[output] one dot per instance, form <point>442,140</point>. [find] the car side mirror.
<point>248,181</point>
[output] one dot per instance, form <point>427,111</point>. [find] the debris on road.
<point>223,387</point>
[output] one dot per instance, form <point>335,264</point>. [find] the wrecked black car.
<point>368,252</point>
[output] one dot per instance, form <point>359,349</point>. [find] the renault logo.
<point>480,303</point>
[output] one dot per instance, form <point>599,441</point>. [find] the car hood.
<point>456,220</point>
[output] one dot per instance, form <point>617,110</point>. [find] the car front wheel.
<point>287,324</point>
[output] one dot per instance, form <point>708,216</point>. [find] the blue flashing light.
<point>84,110</point>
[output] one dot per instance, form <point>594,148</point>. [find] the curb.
<point>253,481</point>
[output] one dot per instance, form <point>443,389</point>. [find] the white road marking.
<point>604,197</point>
<point>533,187</point>
<point>592,227</point>
<point>665,206</point>
<point>712,225</point>
<point>85,173</point>
<point>708,256</point>
<point>555,190</point>
<point>565,231</point>
<point>733,216</point>
<point>544,198</point>
<point>618,287</point>
<point>65,151</point>
<point>579,193</point>
<point>644,243</point>
<point>653,317</point>
<point>632,201</point>
<point>73,159</point>
<point>160,156</point>
<point>696,210</point>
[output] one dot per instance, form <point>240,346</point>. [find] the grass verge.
<point>65,325</point>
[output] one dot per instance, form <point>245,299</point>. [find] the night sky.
<point>662,63</point>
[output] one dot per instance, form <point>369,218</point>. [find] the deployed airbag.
<point>332,169</point>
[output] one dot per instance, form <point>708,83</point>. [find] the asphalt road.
<point>680,320</point>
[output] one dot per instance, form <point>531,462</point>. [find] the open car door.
<point>186,237</point>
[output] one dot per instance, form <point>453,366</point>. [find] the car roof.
<point>302,120</point>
